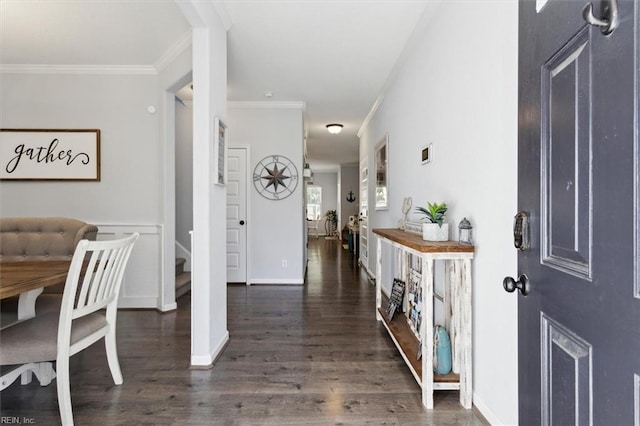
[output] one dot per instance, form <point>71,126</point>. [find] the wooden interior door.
<point>579,325</point>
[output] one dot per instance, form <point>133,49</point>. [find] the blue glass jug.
<point>441,351</point>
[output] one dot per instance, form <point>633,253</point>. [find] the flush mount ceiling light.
<point>334,128</point>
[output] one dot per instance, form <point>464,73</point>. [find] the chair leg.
<point>64,391</point>
<point>25,377</point>
<point>112,356</point>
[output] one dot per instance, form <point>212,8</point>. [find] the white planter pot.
<point>435,232</point>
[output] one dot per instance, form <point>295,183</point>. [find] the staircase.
<point>183,278</point>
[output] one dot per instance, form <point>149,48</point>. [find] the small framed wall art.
<point>381,164</point>
<point>426,153</point>
<point>220,152</point>
<point>50,154</point>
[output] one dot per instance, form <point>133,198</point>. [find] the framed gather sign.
<point>43,154</point>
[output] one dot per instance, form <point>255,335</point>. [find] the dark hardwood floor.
<point>298,355</point>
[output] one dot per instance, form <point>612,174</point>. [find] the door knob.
<point>510,285</point>
<point>242,222</point>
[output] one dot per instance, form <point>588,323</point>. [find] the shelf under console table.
<point>457,311</point>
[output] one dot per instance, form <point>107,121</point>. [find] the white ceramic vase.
<point>435,232</point>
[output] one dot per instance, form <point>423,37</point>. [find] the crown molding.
<point>221,9</point>
<point>268,104</point>
<point>372,112</point>
<point>77,69</point>
<point>183,43</point>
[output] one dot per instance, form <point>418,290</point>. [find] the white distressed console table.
<point>457,310</point>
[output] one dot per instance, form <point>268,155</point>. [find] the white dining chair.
<point>88,313</point>
<point>312,225</point>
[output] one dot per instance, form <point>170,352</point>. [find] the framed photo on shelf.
<point>220,152</point>
<point>397,294</point>
<point>391,310</point>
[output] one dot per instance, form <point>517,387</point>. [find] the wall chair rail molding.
<point>143,278</point>
<point>50,154</point>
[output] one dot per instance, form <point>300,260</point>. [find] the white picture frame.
<point>426,153</point>
<point>49,154</point>
<point>381,167</point>
<point>220,152</point>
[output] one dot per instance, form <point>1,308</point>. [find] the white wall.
<point>457,89</point>
<point>184,173</point>
<point>276,229</point>
<point>129,154</point>
<point>130,157</point>
<point>329,183</point>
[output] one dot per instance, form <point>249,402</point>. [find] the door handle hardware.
<point>242,222</point>
<point>510,285</point>
<point>609,21</point>
<point>521,231</point>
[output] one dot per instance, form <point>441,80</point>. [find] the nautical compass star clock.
<point>275,177</point>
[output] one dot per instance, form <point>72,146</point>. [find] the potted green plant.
<point>331,222</point>
<point>434,229</point>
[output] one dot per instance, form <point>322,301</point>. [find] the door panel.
<point>566,154</point>
<point>566,376</point>
<point>579,327</point>
<point>236,215</point>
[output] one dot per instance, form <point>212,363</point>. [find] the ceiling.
<point>334,56</point>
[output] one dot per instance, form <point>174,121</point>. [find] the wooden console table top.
<point>416,242</point>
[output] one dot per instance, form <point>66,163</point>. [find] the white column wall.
<point>209,333</point>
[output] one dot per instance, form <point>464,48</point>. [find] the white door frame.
<point>167,292</point>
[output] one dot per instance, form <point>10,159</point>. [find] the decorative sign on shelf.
<point>395,299</point>
<point>413,227</point>
<point>43,154</point>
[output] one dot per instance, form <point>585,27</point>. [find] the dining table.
<point>27,280</point>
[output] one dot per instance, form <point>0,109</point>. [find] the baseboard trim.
<point>138,302</point>
<point>371,276</point>
<point>277,281</point>
<point>169,307</point>
<point>205,362</point>
<point>484,411</point>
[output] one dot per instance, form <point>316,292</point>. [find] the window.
<point>314,202</point>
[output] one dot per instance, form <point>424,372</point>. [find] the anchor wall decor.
<point>351,197</point>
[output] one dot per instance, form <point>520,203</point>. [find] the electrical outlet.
<point>284,263</point>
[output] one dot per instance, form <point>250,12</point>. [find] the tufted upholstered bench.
<point>39,239</point>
